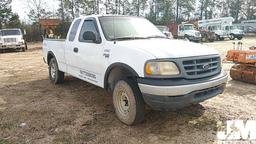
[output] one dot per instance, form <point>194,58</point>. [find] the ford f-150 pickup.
<point>131,58</point>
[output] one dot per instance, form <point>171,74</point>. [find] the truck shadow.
<point>9,51</point>
<point>80,107</point>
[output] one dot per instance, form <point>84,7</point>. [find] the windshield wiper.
<point>127,38</point>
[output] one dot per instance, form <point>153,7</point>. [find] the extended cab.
<point>12,39</point>
<point>131,58</point>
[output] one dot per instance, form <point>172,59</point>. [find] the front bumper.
<point>193,38</point>
<point>181,93</point>
<point>15,46</point>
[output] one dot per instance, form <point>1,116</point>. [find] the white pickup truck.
<point>130,57</point>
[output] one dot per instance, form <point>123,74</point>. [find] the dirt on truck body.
<point>32,110</point>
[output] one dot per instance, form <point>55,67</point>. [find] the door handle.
<point>75,50</point>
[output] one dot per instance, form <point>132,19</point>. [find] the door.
<point>84,54</point>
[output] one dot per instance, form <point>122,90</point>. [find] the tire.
<point>55,75</point>
<point>222,39</point>
<point>239,38</point>
<point>217,37</point>
<point>128,102</point>
<point>186,37</point>
<point>204,38</point>
<point>23,49</point>
<point>26,46</point>
<point>232,37</point>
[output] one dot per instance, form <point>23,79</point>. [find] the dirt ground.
<point>34,111</point>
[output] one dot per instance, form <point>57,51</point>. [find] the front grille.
<point>10,40</point>
<point>197,34</point>
<point>201,67</point>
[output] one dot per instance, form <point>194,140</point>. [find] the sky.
<point>21,7</point>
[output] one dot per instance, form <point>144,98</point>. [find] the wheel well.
<point>117,72</point>
<point>50,55</point>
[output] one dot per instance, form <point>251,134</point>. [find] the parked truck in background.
<point>222,27</point>
<point>12,39</point>
<point>131,58</point>
<point>165,30</point>
<point>249,26</point>
<point>185,31</point>
<point>234,32</point>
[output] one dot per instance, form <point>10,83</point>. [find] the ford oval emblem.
<point>206,67</point>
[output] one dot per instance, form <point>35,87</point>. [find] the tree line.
<point>159,12</point>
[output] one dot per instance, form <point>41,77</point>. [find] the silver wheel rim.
<point>53,70</point>
<point>123,104</point>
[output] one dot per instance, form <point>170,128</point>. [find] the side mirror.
<point>24,32</point>
<point>89,36</point>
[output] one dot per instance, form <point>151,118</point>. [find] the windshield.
<point>236,27</point>
<point>216,28</point>
<point>128,27</point>
<point>10,32</point>
<point>188,27</point>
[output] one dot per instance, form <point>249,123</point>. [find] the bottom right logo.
<point>238,130</point>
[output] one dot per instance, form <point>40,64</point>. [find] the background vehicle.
<point>217,26</point>
<point>185,31</point>
<point>234,31</point>
<point>249,26</point>
<point>131,58</point>
<point>207,36</point>
<point>165,30</point>
<point>12,39</point>
<point>245,67</point>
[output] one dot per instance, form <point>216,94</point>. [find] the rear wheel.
<point>239,38</point>
<point>56,76</point>
<point>128,102</point>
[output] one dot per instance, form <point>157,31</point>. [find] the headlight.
<point>161,69</point>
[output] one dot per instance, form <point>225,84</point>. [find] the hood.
<point>167,48</point>
<point>192,32</point>
<point>237,31</point>
<point>219,32</point>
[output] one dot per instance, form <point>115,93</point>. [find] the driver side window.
<point>88,26</point>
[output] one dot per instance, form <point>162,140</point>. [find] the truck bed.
<point>56,46</point>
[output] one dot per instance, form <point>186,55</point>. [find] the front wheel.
<point>231,37</point>
<point>128,102</point>
<point>23,49</point>
<point>56,76</point>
